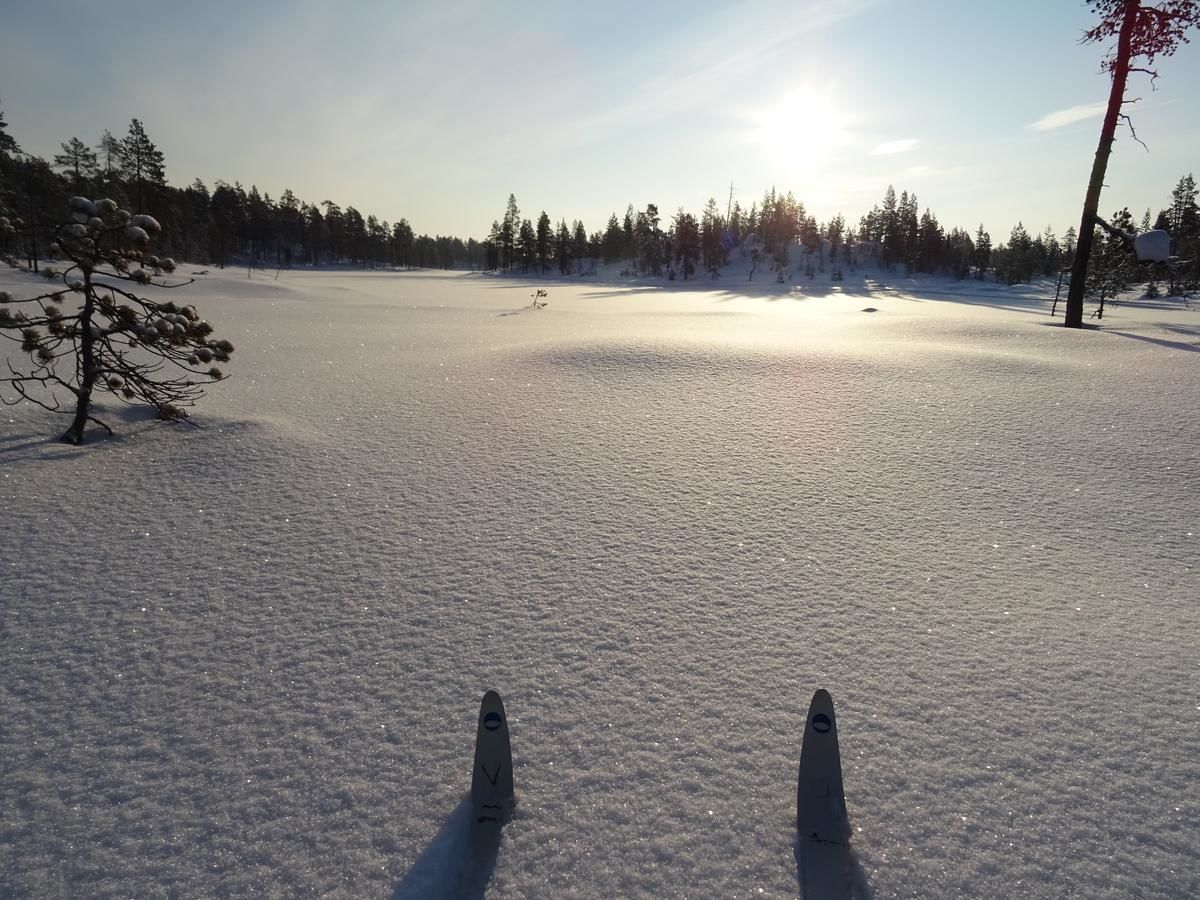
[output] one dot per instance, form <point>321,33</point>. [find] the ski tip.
<point>820,711</point>
<point>491,711</point>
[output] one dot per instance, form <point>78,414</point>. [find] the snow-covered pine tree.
<point>98,328</point>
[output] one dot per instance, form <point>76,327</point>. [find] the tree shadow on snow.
<point>128,424</point>
<point>1162,342</point>
<point>829,872</point>
<point>458,863</point>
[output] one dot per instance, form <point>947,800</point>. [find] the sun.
<point>802,129</point>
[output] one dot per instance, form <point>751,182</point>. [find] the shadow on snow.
<point>457,863</point>
<point>1162,342</point>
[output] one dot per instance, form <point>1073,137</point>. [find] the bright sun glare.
<point>802,129</point>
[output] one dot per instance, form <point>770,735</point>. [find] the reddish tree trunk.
<point>1091,203</point>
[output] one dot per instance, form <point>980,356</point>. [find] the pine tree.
<point>1184,215</point>
<point>509,226</point>
<point>930,244</point>
<point>1070,243</point>
<point>687,242</point>
<point>1053,261</point>
<point>226,216</point>
<point>1143,33</point>
<point>198,221</point>
<point>1183,223</point>
<point>983,252</point>
<point>580,245</point>
<point>960,250</point>
<point>890,222</point>
<point>492,247</point>
<point>316,233</point>
<point>112,339</point>
<point>8,144</point>
<point>79,159</point>
<point>835,233</point>
<point>108,156</point>
<point>613,240</point>
<point>258,222</point>
<point>907,230</point>
<point>562,248</point>
<point>735,225</point>
<point>543,242</point>
<point>290,224</point>
<point>141,163</point>
<point>712,229</point>
<point>402,234</point>
<point>649,240</point>
<point>1113,267</point>
<point>1020,265</point>
<point>526,245</point>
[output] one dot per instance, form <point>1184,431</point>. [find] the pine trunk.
<point>1091,203</point>
<point>89,369</point>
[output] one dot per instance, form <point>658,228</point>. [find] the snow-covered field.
<point>246,660</point>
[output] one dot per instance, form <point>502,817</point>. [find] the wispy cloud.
<point>702,67</point>
<point>889,147</point>
<point>1067,116</point>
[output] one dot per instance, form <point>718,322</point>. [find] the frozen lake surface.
<point>246,659</point>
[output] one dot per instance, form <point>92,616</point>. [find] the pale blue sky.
<point>436,111</point>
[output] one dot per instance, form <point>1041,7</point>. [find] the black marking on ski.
<point>815,838</point>
<point>490,777</point>
<point>489,818</point>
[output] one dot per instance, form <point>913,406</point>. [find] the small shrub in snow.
<point>138,349</point>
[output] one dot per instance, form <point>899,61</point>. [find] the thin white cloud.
<point>702,66</point>
<point>889,147</point>
<point>1067,116</point>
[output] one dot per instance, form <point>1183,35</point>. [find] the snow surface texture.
<point>248,659</point>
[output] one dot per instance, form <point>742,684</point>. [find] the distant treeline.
<point>219,227</point>
<point>779,236</point>
<point>776,235</point>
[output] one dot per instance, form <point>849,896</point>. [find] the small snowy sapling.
<point>111,339</point>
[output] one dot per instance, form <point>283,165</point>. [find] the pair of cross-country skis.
<point>820,799</point>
